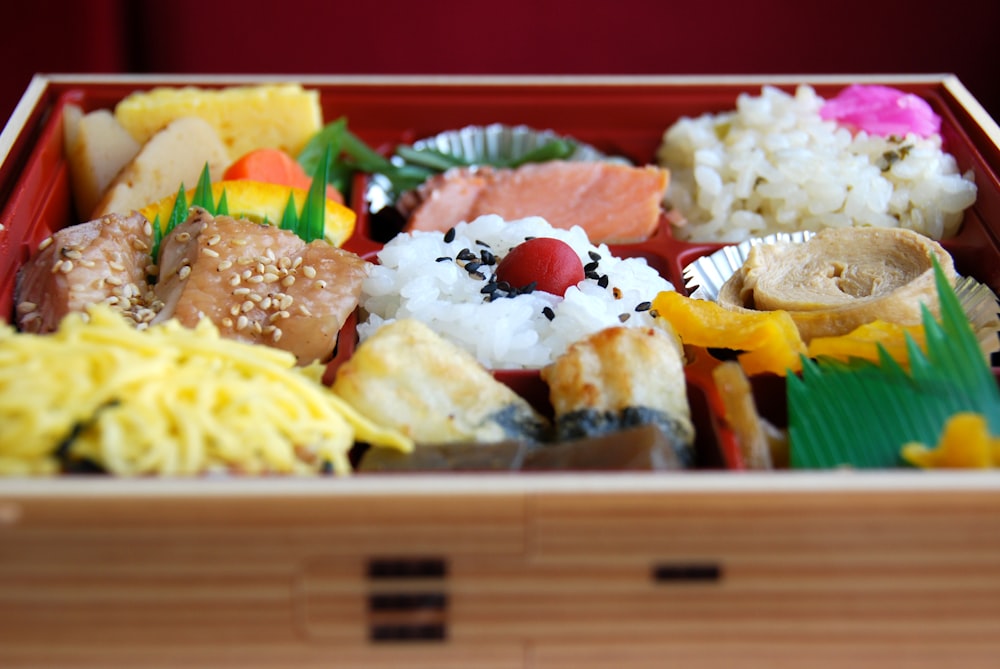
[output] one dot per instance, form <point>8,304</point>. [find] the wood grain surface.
<point>535,576</point>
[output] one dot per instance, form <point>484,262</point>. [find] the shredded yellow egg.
<point>965,443</point>
<point>168,400</point>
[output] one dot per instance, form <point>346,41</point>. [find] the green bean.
<point>555,149</point>
<point>428,157</point>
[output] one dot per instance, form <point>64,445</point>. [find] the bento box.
<point>719,565</point>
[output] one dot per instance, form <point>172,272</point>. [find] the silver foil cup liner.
<point>704,277</point>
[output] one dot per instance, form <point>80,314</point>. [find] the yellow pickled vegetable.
<point>769,339</point>
<point>864,341</point>
<point>965,443</point>
<point>260,202</point>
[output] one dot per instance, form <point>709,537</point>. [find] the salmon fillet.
<point>258,284</point>
<point>104,260</point>
<point>612,202</point>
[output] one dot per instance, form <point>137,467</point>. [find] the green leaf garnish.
<point>203,192</point>
<point>178,215</point>
<point>157,239</point>
<point>314,209</point>
<point>350,155</point>
<point>290,217</point>
<point>859,413</point>
<point>310,223</point>
<point>222,208</point>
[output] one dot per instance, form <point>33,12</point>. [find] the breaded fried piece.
<point>618,378</point>
<point>409,378</point>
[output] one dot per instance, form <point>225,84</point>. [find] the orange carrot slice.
<point>275,166</point>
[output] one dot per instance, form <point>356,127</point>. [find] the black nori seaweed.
<point>517,423</point>
<point>644,448</point>
<point>68,461</point>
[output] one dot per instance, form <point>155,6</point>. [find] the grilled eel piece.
<point>619,378</point>
<point>409,378</point>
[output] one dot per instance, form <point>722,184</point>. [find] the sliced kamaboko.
<point>103,260</point>
<point>612,202</point>
<point>259,283</point>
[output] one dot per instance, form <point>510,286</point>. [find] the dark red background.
<point>516,37</point>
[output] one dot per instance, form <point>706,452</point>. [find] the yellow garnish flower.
<point>965,444</point>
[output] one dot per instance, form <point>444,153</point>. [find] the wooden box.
<point>711,568</point>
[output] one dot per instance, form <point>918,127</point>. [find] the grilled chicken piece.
<point>409,378</point>
<point>614,203</point>
<point>618,378</point>
<point>258,283</point>
<point>104,260</point>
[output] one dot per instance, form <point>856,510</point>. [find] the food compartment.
<point>42,204</point>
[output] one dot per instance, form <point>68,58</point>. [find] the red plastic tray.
<point>618,116</point>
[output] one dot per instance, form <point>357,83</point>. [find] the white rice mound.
<point>509,332</point>
<point>774,165</point>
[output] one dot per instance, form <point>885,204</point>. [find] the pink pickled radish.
<point>883,111</point>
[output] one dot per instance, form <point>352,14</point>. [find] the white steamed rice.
<point>774,165</point>
<point>506,333</point>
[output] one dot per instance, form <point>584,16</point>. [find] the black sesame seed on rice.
<point>603,281</point>
<point>592,275</point>
<point>643,306</point>
<point>478,275</point>
<point>466,254</point>
<point>480,242</point>
<point>624,317</point>
<point>590,267</point>
<point>442,259</point>
<point>487,257</point>
<point>548,313</point>
<point>473,266</point>
<point>594,255</point>
<point>449,236</point>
